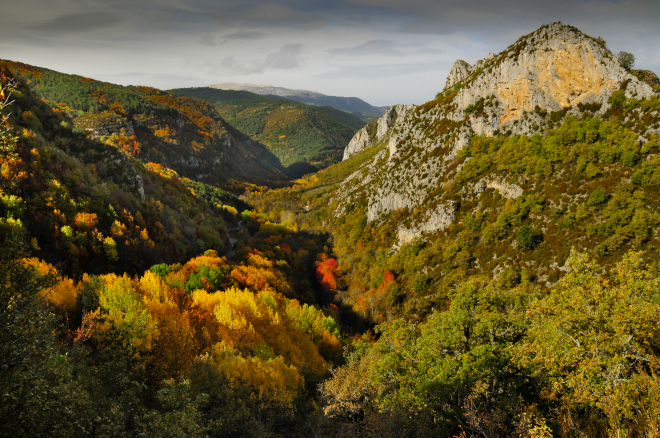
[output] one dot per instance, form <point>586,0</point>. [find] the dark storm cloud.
<point>81,22</point>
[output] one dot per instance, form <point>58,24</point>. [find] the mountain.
<point>303,137</point>
<point>119,278</point>
<point>186,135</point>
<point>489,231</point>
<point>352,105</point>
<point>535,130</point>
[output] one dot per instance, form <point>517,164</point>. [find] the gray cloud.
<point>382,70</point>
<point>207,40</point>
<point>383,48</point>
<point>74,23</point>
<point>287,58</point>
<point>352,47</point>
<point>244,35</point>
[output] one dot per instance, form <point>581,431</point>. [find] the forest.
<point>138,299</point>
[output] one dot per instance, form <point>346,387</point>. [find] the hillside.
<point>466,212</point>
<point>300,135</point>
<point>183,134</point>
<point>484,265</point>
<point>473,172</point>
<point>353,105</point>
<point>123,298</point>
<point>91,207</point>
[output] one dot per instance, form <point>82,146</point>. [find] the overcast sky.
<point>383,51</point>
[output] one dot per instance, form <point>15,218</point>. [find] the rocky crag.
<point>546,76</point>
<point>377,129</point>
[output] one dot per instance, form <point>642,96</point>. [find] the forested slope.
<point>183,134</point>
<point>119,315</point>
<point>492,244</point>
<point>296,133</point>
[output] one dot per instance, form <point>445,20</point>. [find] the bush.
<point>528,238</point>
<point>617,99</point>
<point>598,196</point>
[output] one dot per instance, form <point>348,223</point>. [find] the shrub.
<point>617,99</point>
<point>528,238</point>
<point>598,196</point>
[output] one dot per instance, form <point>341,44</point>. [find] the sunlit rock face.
<point>377,130</point>
<point>556,67</point>
<point>459,71</point>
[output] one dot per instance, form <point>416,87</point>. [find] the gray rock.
<point>384,125</point>
<point>459,71</point>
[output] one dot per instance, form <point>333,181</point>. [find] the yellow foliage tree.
<point>63,294</point>
<point>123,307</point>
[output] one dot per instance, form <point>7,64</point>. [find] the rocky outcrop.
<point>377,130</point>
<point>506,190</point>
<point>555,68</point>
<point>459,71</point>
<point>434,220</point>
<point>360,141</point>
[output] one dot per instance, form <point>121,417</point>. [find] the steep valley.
<point>205,262</point>
<point>304,138</point>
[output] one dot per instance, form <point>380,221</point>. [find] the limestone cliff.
<point>459,71</point>
<point>526,89</point>
<point>554,68</point>
<point>377,130</point>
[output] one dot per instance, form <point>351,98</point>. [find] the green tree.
<point>40,395</point>
<point>593,341</point>
<point>528,237</point>
<point>178,415</point>
<point>459,354</point>
<point>626,59</point>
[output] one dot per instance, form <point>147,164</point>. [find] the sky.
<point>382,51</point>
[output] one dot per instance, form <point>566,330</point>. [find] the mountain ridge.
<point>353,105</point>
<point>184,134</point>
<point>476,196</point>
<point>518,91</point>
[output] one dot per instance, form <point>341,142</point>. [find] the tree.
<point>594,341</point>
<point>528,237</point>
<point>627,60</point>
<point>41,396</point>
<point>462,353</point>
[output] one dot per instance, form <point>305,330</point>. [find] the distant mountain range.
<point>353,105</point>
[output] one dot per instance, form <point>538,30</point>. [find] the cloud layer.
<point>384,51</point>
